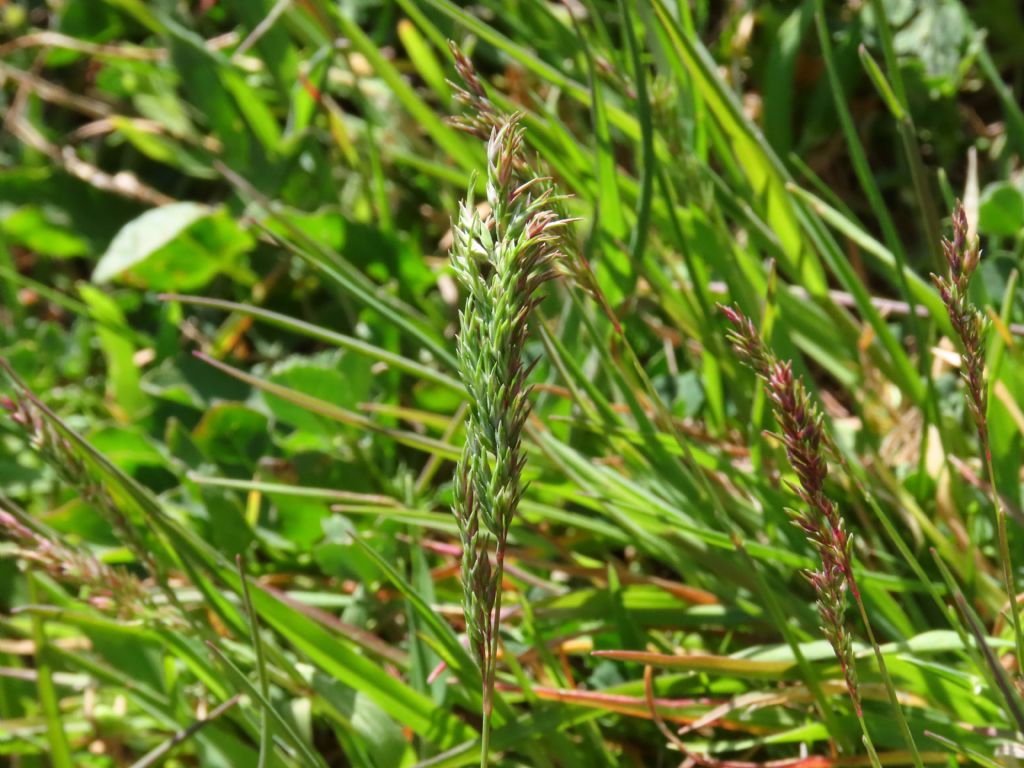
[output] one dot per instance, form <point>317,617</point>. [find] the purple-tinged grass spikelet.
<point>806,444</point>
<point>803,437</point>
<point>962,257</point>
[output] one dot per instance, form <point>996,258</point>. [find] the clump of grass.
<point>962,257</point>
<point>641,116</point>
<point>501,257</point>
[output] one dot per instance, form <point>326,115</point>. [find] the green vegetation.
<point>621,385</point>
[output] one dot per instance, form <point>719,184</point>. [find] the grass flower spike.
<point>804,439</point>
<point>807,443</point>
<point>501,257</point>
<point>106,588</point>
<point>962,257</point>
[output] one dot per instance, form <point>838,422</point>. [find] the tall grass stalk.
<point>501,254</point>
<point>962,256</point>
<point>806,443</point>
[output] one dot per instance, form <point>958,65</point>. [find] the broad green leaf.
<point>1001,210</point>
<point>123,379</point>
<point>146,235</point>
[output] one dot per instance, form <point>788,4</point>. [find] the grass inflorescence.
<point>502,254</point>
<point>963,254</point>
<point>819,520</point>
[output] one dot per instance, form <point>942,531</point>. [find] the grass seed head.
<point>802,430</point>
<point>962,257</point>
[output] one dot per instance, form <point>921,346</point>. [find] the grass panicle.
<point>479,115</point>
<point>963,254</point>
<point>108,589</point>
<point>806,444</point>
<point>819,520</point>
<point>962,257</point>
<point>57,451</point>
<point>501,254</point>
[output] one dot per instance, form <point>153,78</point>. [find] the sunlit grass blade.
<point>908,134</point>
<point>158,754</point>
<point>334,412</point>
<point>261,665</point>
<point>325,335</point>
<point>267,708</point>
<point>60,751</point>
